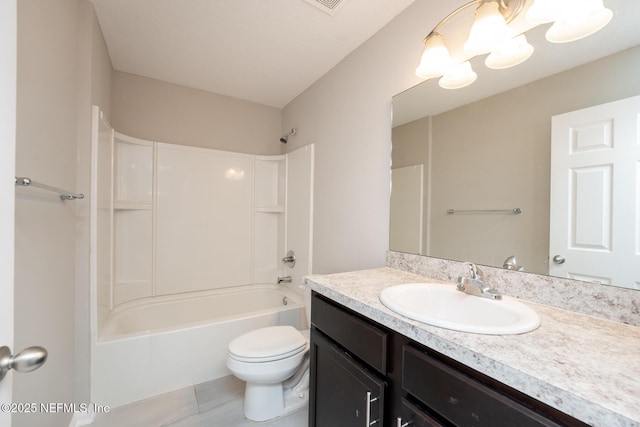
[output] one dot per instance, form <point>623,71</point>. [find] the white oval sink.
<point>443,305</point>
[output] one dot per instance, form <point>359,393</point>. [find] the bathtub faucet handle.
<point>290,259</point>
<point>284,279</point>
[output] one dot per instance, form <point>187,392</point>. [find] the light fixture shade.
<point>458,76</point>
<point>488,32</point>
<point>582,19</point>
<point>435,58</point>
<point>543,11</point>
<point>514,52</point>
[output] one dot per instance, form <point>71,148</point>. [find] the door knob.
<point>558,259</point>
<point>27,360</point>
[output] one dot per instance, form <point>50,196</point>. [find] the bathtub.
<point>152,346</point>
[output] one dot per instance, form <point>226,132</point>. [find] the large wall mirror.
<point>486,150</point>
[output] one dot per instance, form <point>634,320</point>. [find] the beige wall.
<point>62,69</point>
<point>408,143</point>
<point>347,113</point>
<point>159,111</point>
<point>45,226</point>
<point>495,154</point>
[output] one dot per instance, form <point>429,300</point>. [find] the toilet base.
<point>293,401</point>
<point>263,402</point>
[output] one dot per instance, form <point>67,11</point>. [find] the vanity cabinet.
<point>364,374</point>
<point>346,392</point>
<point>349,367</point>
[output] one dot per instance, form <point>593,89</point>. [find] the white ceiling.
<point>264,51</point>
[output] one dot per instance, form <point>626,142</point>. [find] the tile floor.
<point>211,404</point>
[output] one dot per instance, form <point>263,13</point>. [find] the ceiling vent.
<point>327,6</point>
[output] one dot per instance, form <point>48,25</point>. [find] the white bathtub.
<point>152,346</point>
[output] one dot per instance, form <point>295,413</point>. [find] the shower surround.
<point>173,226</point>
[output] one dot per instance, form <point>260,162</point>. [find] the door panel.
<point>595,194</point>
<point>591,206</point>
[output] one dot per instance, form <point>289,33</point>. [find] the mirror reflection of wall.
<point>410,148</point>
<point>495,154</point>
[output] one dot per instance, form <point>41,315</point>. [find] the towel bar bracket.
<point>64,195</point>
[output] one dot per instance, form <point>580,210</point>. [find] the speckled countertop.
<point>585,366</point>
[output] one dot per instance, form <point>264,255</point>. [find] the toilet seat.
<point>267,344</point>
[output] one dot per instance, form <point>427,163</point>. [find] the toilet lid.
<point>268,343</point>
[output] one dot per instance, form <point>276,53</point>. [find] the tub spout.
<point>284,279</point>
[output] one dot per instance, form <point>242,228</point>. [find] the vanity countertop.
<point>585,366</point>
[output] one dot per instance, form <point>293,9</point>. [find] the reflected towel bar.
<point>64,195</point>
<point>514,211</point>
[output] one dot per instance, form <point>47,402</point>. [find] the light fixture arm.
<point>508,8</point>
<point>448,18</point>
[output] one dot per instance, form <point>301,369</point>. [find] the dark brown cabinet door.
<point>412,416</point>
<point>343,392</point>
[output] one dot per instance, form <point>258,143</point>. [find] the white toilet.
<point>274,361</point>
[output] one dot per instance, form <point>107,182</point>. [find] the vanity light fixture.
<point>457,76</point>
<point>491,34</point>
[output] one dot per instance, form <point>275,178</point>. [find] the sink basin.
<point>443,305</point>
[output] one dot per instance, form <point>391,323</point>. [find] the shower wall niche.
<point>133,212</point>
<point>172,219</point>
<point>269,216</point>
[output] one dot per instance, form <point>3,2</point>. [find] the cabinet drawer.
<point>460,399</point>
<point>362,339</point>
<point>415,417</point>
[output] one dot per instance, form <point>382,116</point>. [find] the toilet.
<point>274,362</point>
<point>265,358</point>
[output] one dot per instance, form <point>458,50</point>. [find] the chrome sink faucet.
<point>475,284</point>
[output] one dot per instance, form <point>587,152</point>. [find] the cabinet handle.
<point>367,418</point>
<point>400,424</point>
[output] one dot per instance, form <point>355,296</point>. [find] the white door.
<point>595,194</point>
<point>7,188</point>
